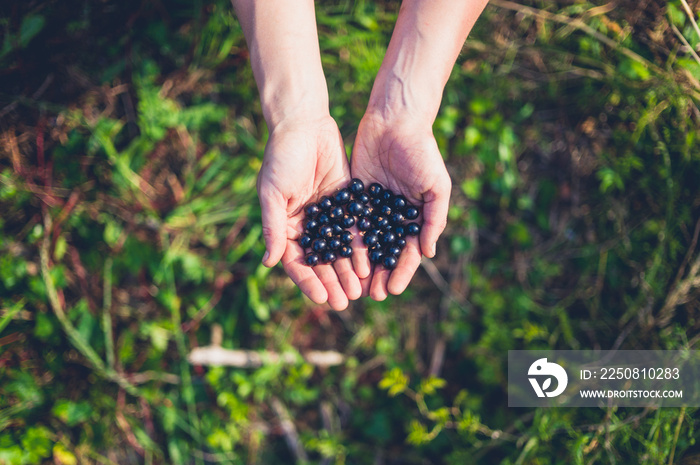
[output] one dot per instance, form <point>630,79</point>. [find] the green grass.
<point>131,138</point>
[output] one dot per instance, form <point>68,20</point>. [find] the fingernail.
<point>266,256</point>
<point>434,248</point>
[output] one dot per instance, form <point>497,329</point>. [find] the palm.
<point>302,162</point>
<point>406,160</point>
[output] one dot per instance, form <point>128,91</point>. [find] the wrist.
<point>293,100</point>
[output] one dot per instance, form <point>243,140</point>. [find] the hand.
<point>402,155</point>
<point>303,160</point>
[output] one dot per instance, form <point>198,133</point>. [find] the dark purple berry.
<point>376,202</point>
<point>399,203</point>
<point>356,186</point>
<point>337,229</point>
<point>335,243</point>
<point>375,256</point>
<point>348,221</point>
<point>396,218</point>
<point>329,256</point>
<point>411,213</point>
<point>345,251</point>
<point>389,262</point>
<point>393,250</point>
<point>325,203</point>
<point>381,222</point>
<point>370,240</point>
<point>387,196</point>
<point>305,241</point>
<point>400,231</point>
<point>312,210</point>
<point>355,208</point>
<point>323,219</point>
<point>312,226</point>
<point>342,197</point>
<point>336,213</point>
<point>366,211</point>
<point>325,231</point>
<point>412,229</point>
<point>312,259</point>
<point>319,245</point>
<point>375,190</point>
<point>364,224</point>
<point>363,198</point>
<point>346,237</point>
<point>385,210</point>
<point>400,243</point>
<point>387,238</point>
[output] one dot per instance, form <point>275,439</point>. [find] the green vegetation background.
<point>130,140</point>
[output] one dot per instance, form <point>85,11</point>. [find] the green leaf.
<point>31,26</point>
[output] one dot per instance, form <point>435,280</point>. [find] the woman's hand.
<point>304,159</point>
<point>402,155</point>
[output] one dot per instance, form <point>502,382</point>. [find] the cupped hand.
<point>403,156</point>
<point>303,160</point>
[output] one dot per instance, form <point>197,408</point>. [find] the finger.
<point>274,227</point>
<point>302,275</point>
<point>366,283</point>
<point>348,279</point>
<point>380,278</point>
<point>360,259</point>
<point>409,261</point>
<point>435,209</point>
<point>336,296</point>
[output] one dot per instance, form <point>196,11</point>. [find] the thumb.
<point>435,210</point>
<point>274,227</point>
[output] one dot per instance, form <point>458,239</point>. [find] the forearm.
<point>424,46</point>
<point>285,57</point>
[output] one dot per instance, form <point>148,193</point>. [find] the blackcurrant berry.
<point>325,203</point>
<point>411,213</point>
<point>370,240</point>
<point>375,190</point>
<point>305,241</point>
<point>375,256</point>
<point>336,213</point>
<point>393,250</point>
<point>329,256</point>
<point>325,231</point>
<point>376,202</point>
<point>363,198</point>
<point>345,251</point>
<point>381,222</point>
<point>355,208</point>
<point>399,203</point>
<point>335,243</point>
<point>396,218</point>
<point>400,231</point>
<point>348,221</point>
<point>323,219</point>
<point>312,259</point>
<point>356,186</point>
<point>346,237</point>
<point>364,224</point>
<point>412,229</point>
<point>319,245</point>
<point>312,226</point>
<point>385,210</point>
<point>387,238</point>
<point>366,211</point>
<point>387,196</point>
<point>389,262</point>
<point>342,197</point>
<point>400,243</point>
<point>337,229</point>
<point>312,210</point>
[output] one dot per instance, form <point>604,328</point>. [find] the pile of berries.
<point>379,214</point>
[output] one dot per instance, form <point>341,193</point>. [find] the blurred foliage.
<point>131,137</point>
